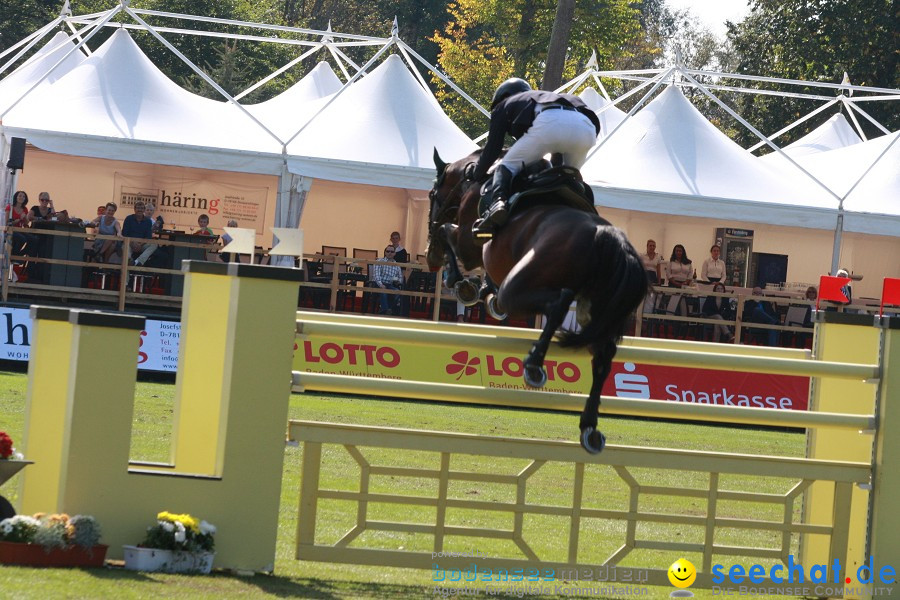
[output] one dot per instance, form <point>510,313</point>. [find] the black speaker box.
<point>16,154</point>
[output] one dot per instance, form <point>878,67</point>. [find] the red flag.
<point>890,293</point>
<point>830,288</point>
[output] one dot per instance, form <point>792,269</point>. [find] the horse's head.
<point>446,197</point>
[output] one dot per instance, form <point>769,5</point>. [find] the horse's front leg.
<point>555,312</point>
<point>448,233</point>
<point>591,439</point>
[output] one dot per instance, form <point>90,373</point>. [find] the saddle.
<point>541,183</point>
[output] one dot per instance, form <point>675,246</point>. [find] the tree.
<point>487,41</point>
<point>559,41</point>
<point>816,40</point>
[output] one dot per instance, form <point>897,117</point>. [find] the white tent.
<point>117,104</point>
<point>834,133</point>
<point>42,63</point>
<point>290,110</point>
<point>668,158</point>
<point>609,117</point>
<point>381,130</point>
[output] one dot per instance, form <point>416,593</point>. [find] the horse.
<point>544,257</point>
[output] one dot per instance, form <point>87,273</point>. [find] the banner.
<point>158,348</point>
<point>180,201</point>
<point>568,371</point>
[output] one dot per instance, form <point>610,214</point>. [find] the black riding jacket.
<point>515,115</point>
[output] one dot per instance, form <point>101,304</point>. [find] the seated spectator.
<point>719,307</point>
<point>387,277</point>
<point>760,311</point>
<point>651,261</point>
<point>158,223</point>
<point>713,269</point>
<point>107,225</point>
<point>139,226</point>
<point>203,226</point>
<point>43,211</point>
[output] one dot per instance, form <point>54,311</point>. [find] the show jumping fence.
<point>834,501</point>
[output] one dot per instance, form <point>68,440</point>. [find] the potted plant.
<point>177,543</point>
<point>11,462</point>
<point>51,541</point>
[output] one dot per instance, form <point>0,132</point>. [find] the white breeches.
<point>565,131</point>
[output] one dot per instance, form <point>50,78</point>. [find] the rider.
<point>542,122</point>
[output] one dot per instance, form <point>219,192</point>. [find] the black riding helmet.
<point>508,88</point>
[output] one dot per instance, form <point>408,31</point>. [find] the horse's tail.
<point>616,286</point>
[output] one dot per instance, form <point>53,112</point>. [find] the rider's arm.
<point>494,144</point>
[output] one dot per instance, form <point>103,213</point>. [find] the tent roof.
<point>118,93</point>
<point>834,133</point>
<point>609,118</point>
<point>19,81</point>
<point>670,148</point>
<point>280,114</point>
<point>385,118</point>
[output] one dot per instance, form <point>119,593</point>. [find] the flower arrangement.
<point>7,451</point>
<point>51,531</point>
<point>180,532</point>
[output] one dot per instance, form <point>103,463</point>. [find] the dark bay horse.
<point>544,258</point>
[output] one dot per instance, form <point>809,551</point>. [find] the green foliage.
<point>484,43</point>
<point>816,40</point>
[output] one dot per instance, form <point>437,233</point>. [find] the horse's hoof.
<point>535,377</point>
<point>466,292</point>
<point>492,308</point>
<point>592,440</point>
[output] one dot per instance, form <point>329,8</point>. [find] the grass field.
<point>153,418</point>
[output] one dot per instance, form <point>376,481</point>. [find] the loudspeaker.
<point>16,154</point>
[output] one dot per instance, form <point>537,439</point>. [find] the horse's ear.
<point>439,164</point>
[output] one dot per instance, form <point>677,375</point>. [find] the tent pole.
<point>838,234</point>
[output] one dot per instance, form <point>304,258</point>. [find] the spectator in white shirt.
<point>713,269</point>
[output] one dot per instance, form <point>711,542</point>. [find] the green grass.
<point>603,489</point>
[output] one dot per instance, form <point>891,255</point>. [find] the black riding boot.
<point>497,215</point>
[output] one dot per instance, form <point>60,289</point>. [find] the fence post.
<point>840,337</point>
<point>884,518</point>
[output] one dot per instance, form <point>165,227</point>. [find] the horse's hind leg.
<point>555,311</point>
<point>591,439</point>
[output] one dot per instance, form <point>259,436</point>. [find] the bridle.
<point>445,211</point>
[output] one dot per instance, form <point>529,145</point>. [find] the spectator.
<point>203,226</point>
<point>139,226</point>
<point>107,225</point>
<point>400,253</point>
<point>713,268</point>
<point>43,211</point>
<point>387,277</point>
<point>760,311</point>
<point>811,295</point>
<point>719,308</point>
<point>17,215</point>
<point>680,267</point>
<point>651,262</point>
<point>226,239</point>
<point>847,290</point>
<point>149,209</point>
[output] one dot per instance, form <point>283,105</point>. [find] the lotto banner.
<point>157,347</point>
<point>567,371</point>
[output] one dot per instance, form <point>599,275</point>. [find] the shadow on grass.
<point>227,585</point>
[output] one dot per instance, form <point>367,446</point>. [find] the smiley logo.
<point>682,573</point>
